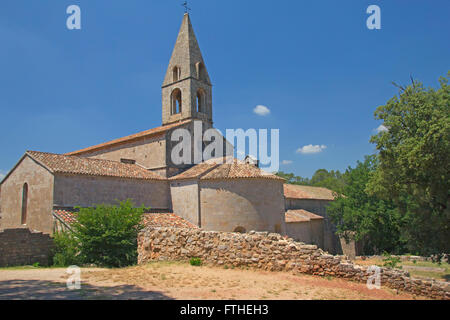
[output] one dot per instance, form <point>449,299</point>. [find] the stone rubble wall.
<point>24,247</point>
<point>270,252</point>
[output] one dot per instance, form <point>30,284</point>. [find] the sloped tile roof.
<point>144,134</point>
<point>166,220</point>
<point>301,215</point>
<point>238,170</point>
<point>66,216</point>
<point>292,191</point>
<point>58,163</point>
<point>195,172</point>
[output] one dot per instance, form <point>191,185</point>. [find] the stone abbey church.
<point>42,189</point>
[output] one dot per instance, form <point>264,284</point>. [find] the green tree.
<point>65,252</point>
<point>107,235</point>
<point>293,179</point>
<point>374,221</point>
<point>332,180</point>
<point>414,164</point>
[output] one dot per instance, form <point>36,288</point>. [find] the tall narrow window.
<point>200,71</point>
<point>200,101</point>
<point>176,73</point>
<point>24,203</point>
<point>176,101</point>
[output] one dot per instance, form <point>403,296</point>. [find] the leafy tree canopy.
<point>332,180</point>
<point>374,221</point>
<point>414,162</point>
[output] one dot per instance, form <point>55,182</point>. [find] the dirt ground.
<point>157,281</point>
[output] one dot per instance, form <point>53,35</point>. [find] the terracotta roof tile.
<point>166,220</point>
<point>58,163</point>
<point>301,215</point>
<point>195,171</point>
<point>144,134</point>
<point>238,169</point>
<point>292,191</point>
<point>65,216</point>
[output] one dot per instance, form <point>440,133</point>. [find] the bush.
<point>107,235</point>
<point>195,262</point>
<point>391,261</point>
<point>66,249</point>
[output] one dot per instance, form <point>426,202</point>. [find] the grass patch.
<point>443,275</point>
<point>28,267</point>
<point>162,264</point>
<point>196,262</point>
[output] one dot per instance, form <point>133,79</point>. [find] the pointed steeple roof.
<point>186,55</point>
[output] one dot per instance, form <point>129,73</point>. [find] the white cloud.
<point>261,110</point>
<point>381,128</point>
<point>286,162</point>
<point>2,174</point>
<point>310,149</point>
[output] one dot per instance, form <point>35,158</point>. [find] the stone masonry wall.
<point>24,247</point>
<point>271,252</point>
<point>40,197</point>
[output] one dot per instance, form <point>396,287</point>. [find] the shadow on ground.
<point>48,290</point>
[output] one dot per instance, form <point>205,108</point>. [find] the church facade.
<point>234,196</point>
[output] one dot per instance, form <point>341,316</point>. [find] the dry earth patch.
<point>182,281</point>
<point>179,280</point>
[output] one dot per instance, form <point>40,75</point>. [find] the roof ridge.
<point>61,163</point>
<point>138,135</point>
<point>87,158</point>
<point>315,187</point>
<point>234,170</point>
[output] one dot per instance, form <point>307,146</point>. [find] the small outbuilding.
<point>314,200</point>
<point>305,226</point>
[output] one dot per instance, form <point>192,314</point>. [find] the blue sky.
<point>313,64</point>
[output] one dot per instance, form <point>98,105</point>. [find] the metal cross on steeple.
<point>186,8</point>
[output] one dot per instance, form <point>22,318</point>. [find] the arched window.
<point>176,101</point>
<point>24,203</point>
<point>176,73</point>
<point>201,71</point>
<point>240,230</point>
<point>201,104</point>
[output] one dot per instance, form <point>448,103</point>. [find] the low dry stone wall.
<point>271,252</point>
<point>24,247</point>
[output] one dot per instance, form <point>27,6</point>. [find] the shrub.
<point>107,235</point>
<point>391,261</point>
<point>66,249</point>
<point>195,262</point>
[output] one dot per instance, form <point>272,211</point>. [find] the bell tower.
<point>187,89</point>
